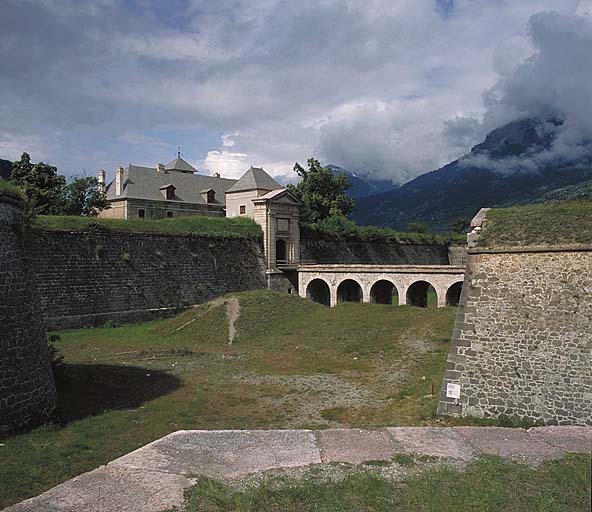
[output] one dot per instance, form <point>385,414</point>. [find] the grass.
<point>10,191</point>
<point>292,364</point>
<point>487,485</point>
<point>190,225</point>
<point>568,222</point>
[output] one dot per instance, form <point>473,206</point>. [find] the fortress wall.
<point>88,278</point>
<point>27,388</point>
<point>522,343</point>
<point>376,253</point>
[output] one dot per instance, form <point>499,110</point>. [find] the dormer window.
<point>209,195</point>
<point>168,191</point>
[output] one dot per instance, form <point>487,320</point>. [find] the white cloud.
<point>367,85</point>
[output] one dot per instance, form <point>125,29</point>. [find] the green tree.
<point>322,192</point>
<point>41,184</point>
<point>418,226</point>
<point>461,225</point>
<point>82,196</point>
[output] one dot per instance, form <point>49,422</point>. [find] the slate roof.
<point>178,164</point>
<point>275,194</point>
<point>254,178</point>
<point>146,183</point>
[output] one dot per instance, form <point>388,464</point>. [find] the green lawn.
<point>190,225</point>
<point>292,364</point>
<point>487,485</point>
<point>566,222</point>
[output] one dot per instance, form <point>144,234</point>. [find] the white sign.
<point>452,390</point>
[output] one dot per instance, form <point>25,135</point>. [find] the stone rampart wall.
<point>27,389</point>
<point>88,278</point>
<point>375,253</point>
<point>522,343</point>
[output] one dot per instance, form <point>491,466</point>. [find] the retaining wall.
<point>376,253</point>
<point>27,388</point>
<point>522,342</point>
<point>88,278</point>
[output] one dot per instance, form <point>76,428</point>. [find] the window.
<point>242,209</point>
<point>169,215</point>
<point>141,214</point>
<point>170,195</point>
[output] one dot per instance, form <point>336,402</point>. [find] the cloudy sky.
<point>390,87</point>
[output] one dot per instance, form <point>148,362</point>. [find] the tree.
<point>40,182</point>
<point>418,226</point>
<point>461,225</point>
<point>82,196</point>
<point>322,192</point>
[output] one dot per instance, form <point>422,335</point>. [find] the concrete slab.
<point>509,443</point>
<point>566,439</point>
<point>225,453</point>
<point>431,442</point>
<point>116,489</point>
<point>354,446</point>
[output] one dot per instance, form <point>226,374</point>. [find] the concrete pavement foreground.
<point>154,477</point>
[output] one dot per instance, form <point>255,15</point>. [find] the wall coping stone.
<point>531,248</point>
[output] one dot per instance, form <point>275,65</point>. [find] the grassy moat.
<point>291,364</point>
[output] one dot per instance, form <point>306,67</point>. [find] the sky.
<point>387,88</point>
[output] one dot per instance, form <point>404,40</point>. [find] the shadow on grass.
<point>91,389</point>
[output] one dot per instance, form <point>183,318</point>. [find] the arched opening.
<point>384,292</point>
<point>349,291</point>
<point>422,294</point>
<point>453,294</point>
<point>318,291</point>
<point>281,251</point>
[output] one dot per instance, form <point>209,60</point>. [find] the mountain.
<point>497,172</point>
<point>360,185</point>
<point>5,168</point>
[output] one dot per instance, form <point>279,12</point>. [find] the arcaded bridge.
<point>382,284</point>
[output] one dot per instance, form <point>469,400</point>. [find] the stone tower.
<point>27,388</point>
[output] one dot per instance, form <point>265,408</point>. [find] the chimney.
<point>101,180</point>
<point>118,181</point>
<point>216,175</point>
<point>160,168</point>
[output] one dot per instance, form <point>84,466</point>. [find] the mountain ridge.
<point>498,171</point>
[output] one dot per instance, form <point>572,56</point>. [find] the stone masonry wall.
<point>88,278</point>
<point>522,343</point>
<point>27,388</point>
<point>347,252</point>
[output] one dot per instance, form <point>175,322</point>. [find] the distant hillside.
<point>5,168</point>
<point>362,186</point>
<point>460,189</point>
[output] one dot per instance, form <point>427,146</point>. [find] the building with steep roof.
<point>164,191</point>
<point>176,189</point>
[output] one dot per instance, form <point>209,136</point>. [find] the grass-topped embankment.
<point>487,485</point>
<point>190,225</point>
<point>9,190</point>
<point>556,223</point>
<point>292,364</point>
<point>338,228</point>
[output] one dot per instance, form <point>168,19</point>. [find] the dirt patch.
<point>232,306</point>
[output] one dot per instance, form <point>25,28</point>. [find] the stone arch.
<point>384,292</point>
<point>349,291</point>
<point>318,291</point>
<point>418,294</point>
<point>281,251</point>
<point>453,294</point>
